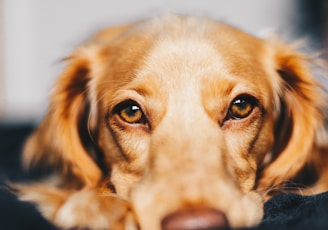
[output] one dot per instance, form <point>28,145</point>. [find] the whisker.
<point>287,187</point>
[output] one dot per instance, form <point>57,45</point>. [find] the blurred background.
<point>35,35</point>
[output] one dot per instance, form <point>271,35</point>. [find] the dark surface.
<point>290,211</point>
<point>11,140</point>
<point>14,214</point>
<point>282,212</point>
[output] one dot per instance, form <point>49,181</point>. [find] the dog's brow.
<point>219,86</point>
<point>227,88</point>
<point>144,91</point>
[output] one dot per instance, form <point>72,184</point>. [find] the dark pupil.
<point>241,104</point>
<point>131,113</point>
<point>241,108</point>
<point>131,110</point>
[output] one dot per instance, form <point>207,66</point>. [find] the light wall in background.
<point>39,33</point>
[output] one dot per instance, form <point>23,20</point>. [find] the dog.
<point>177,122</point>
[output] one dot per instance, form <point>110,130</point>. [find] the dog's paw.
<point>89,209</point>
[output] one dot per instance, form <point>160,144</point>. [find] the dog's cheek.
<point>264,143</point>
<point>247,154</point>
<point>123,180</point>
<point>126,172</point>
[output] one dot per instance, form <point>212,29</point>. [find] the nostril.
<point>195,219</point>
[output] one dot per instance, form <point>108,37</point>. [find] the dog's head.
<point>178,114</point>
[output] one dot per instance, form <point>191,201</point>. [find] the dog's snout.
<point>195,219</point>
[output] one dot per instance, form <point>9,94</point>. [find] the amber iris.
<point>131,113</point>
<point>241,108</point>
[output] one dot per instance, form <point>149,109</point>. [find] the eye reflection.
<point>130,112</point>
<point>241,107</point>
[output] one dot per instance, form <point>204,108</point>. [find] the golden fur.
<point>221,120</point>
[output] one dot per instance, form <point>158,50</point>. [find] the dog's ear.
<point>62,141</point>
<point>299,110</point>
<point>65,141</point>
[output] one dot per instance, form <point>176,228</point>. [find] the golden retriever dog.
<point>177,122</point>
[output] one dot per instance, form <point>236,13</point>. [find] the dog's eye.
<point>241,107</point>
<point>131,112</point>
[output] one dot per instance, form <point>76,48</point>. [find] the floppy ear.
<point>300,109</point>
<point>62,143</point>
<point>65,141</point>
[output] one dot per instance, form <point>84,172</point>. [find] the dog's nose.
<point>195,219</point>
